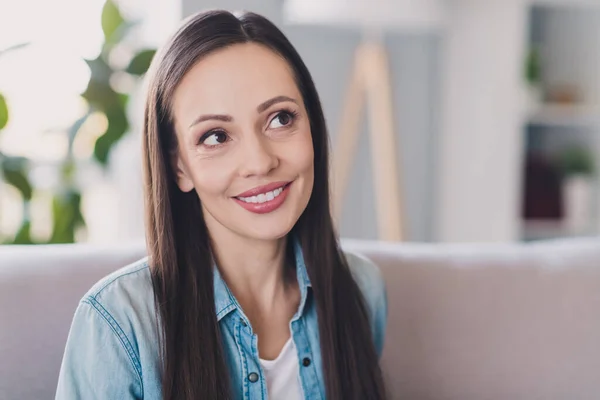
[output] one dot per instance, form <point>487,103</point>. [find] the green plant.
<point>100,94</point>
<point>14,170</point>
<point>101,97</point>
<point>533,67</point>
<point>577,161</point>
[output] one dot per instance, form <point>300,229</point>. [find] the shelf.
<point>566,3</point>
<point>565,115</point>
<point>550,229</point>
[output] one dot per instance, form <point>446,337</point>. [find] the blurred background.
<point>495,109</point>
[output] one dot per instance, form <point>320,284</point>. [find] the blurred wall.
<point>480,149</point>
<point>328,52</point>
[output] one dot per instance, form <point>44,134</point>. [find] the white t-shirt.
<point>283,374</point>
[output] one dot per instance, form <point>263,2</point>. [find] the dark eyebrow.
<point>262,107</point>
<point>216,117</point>
<point>227,118</point>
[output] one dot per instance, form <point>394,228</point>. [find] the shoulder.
<point>125,300</point>
<point>106,339</point>
<point>131,278</point>
<point>370,281</point>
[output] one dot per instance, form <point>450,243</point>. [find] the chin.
<point>272,231</point>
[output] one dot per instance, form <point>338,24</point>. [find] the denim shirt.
<point>112,350</point>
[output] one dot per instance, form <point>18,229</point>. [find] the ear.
<point>184,179</point>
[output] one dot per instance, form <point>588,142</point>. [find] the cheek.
<point>303,155</point>
<point>211,177</point>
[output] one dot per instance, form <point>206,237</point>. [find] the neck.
<point>255,271</point>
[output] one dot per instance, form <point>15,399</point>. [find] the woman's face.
<point>245,143</point>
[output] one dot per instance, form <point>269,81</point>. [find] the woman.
<point>245,293</point>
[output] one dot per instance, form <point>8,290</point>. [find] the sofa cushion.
<point>466,322</point>
<point>40,287</point>
<point>494,322</point>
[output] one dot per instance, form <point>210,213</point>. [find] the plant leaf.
<point>123,100</point>
<point>118,35</point>
<point>112,19</point>
<point>3,112</point>
<point>577,160</point>
<point>140,63</point>
<point>99,69</point>
<point>74,129</point>
<point>67,217</point>
<point>100,95</point>
<point>15,174</point>
<point>23,236</point>
<point>12,48</point>
<point>117,127</point>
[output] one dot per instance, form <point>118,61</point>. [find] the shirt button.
<point>253,377</point>
<point>306,362</point>
<point>243,322</point>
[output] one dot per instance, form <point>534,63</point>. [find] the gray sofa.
<point>466,322</point>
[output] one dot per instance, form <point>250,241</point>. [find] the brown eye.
<point>220,137</point>
<point>214,138</point>
<point>282,119</point>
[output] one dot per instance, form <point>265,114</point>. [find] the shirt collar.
<point>225,302</point>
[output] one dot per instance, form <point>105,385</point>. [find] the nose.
<point>258,156</point>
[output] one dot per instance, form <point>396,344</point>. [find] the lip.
<point>263,189</point>
<point>267,206</point>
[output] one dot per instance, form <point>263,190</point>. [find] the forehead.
<point>241,75</point>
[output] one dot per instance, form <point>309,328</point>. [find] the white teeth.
<point>263,197</point>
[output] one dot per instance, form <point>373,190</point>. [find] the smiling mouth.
<point>264,197</point>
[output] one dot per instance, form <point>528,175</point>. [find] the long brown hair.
<point>178,241</point>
